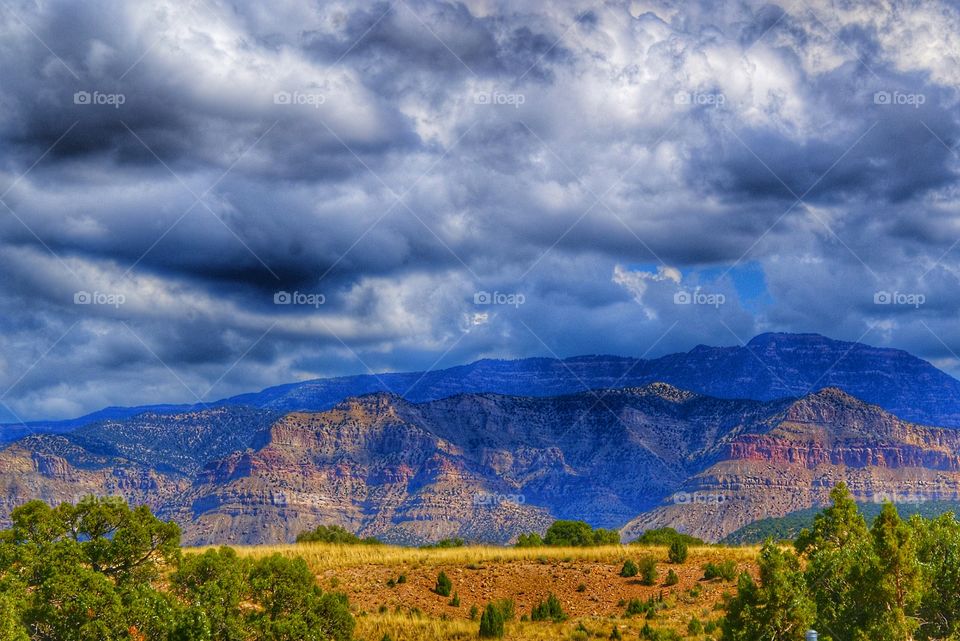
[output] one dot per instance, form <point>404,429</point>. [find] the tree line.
<point>101,571</point>
<point>897,580</point>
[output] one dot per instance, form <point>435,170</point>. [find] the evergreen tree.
<point>893,581</point>
<point>838,551</point>
<point>775,609</point>
<point>491,623</point>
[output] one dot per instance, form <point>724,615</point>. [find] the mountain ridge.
<point>769,366</point>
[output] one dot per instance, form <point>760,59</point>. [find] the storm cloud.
<point>204,198</point>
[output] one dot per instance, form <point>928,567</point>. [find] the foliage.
<point>778,608</point>
<point>672,578</point>
<point>895,581</point>
<point>532,540</point>
<point>648,570</point>
<point>726,570</point>
<point>787,528</point>
<point>444,585</point>
<point>444,544</point>
<point>665,536</point>
<point>629,569</point>
<point>101,570</point>
<point>333,534</point>
<point>548,610</point>
<point>579,534</point>
<point>491,623</point>
<point>678,551</point>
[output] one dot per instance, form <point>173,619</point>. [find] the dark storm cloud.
<point>394,159</point>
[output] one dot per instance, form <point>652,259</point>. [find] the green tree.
<point>532,540</point>
<point>648,570</point>
<point>893,582</point>
<point>838,552</point>
<point>548,610</point>
<point>579,534</point>
<point>215,584</point>
<point>444,585</point>
<point>777,608</point>
<point>491,623</point>
<point>678,551</point>
<point>938,552</point>
<point>333,534</point>
<point>292,607</point>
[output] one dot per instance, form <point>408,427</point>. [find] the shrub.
<point>695,627</point>
<point>615,634</point>
<point>532,540</point>
<point>579,534</point>
<point>629,569</point>
<point>678,552</point>
<point>636,607</point>
<point>444,585</point>
<point>401,579</point>
<point>444,544</point>
<point>491,623</point>
<point>726,570</point>
<point>455,601</point>
<point>582,587</point>
<point>333,534</point>
<point>665,536</point>
<point>549,610</point>
<point>507,608</point>
<point>648,570</point>
<point>474,611</point>
<point>672,578</point>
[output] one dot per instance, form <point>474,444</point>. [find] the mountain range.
<point>706,441</point>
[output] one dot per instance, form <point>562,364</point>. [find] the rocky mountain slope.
<point>770,366</point>
<point>801,454</point>
<point>487,467</point>
<point>483,467</point>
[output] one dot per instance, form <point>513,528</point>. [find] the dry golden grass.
<point>325,556</point>
<point>586,580</point>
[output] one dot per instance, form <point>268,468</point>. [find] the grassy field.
<point>586,580</point>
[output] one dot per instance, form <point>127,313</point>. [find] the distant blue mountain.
<point>770,366</point>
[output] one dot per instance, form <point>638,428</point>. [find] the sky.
<point>203,198</point>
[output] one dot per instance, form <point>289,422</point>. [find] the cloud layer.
<point>434,182</point>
